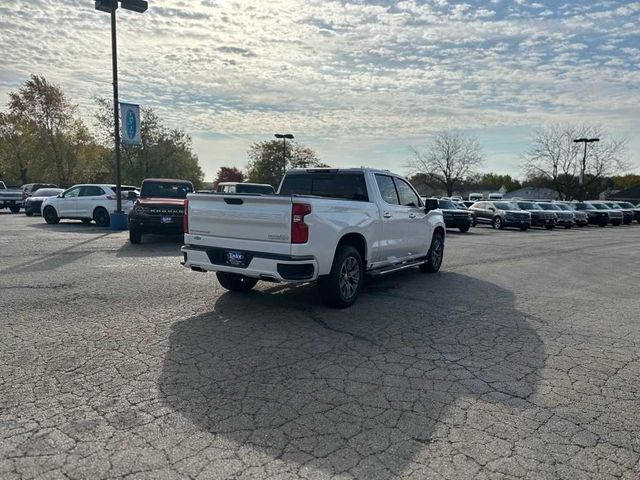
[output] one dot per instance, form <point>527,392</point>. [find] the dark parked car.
<point>454,216</point>
<point>500,214</point>
<point>597,215</point>
<point>159,208</point>
<point>580,217</point>
<point>633,208</point>
<point>29,188</point>
<point>539,216</point>
<point>616,217</point>
<point>33,203</point>
<point>627,213</point>
<point>565,218</point>
<point>244,188</point>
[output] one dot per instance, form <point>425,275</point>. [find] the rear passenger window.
<point>408,197</point>
<point>387,189</point>
<point>91,191</point>
<point>347,186</point>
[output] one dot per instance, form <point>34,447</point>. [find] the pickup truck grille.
<point>165,211</point>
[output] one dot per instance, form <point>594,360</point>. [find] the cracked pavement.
<point>520,359</point>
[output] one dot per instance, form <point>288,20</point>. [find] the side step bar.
<point>396,267</point>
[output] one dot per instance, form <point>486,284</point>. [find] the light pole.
<point>284,137</point>
<point>584,161</point>
<point>110,6</point>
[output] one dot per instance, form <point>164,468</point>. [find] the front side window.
<point>387,189</point>
<point>72,192</point>
<point>408,197</point>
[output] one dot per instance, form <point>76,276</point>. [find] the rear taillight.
<point>299,229</point>
<point>185,217</point>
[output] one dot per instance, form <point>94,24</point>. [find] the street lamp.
<point>110,6</point>
<point>284,137</point>
<point>584,161</point>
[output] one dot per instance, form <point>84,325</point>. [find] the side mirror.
<point>430,204</point>
<point>491,209</point>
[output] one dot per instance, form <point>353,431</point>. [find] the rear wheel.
<point>135,236</point>
<point>235,282</point>
<point>50,216</point>
<point>497,223</point>
<point>14,208</point>
<point>602,224</point>
<point>101,217</point>
<point>342,286</point>
<point>568,227</point>
<point>524,229</point>
<point>435,254</point>
<point>465,229</point>
<point>28,213</point>
<point>549,227</point>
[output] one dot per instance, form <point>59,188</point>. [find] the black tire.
<point>497,223</point>
<point>28,213</point>
<point>86,221</point>
<point>568,227</point>
<point>234,282</point>
<point>135,236</point>
<point>50,216</point>
<point>15,208</point>
<point>340,289</point>
<point>616,224</point>
<point>602,225</point>
<point>435,254</point>
<point>549,227</point>
<point>465,229</point>
<point>101,217</point>
<point>524,229</point>
<point>581,225</point>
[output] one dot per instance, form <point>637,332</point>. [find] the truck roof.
<point>344,170</point>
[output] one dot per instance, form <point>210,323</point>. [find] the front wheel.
<point>235,282</point>
<point>135,236</point>
<point>549,227</point>
<point>497,223</point>
<point>568,227</point>
<point>465,229</point>
<point>28,213</point>
<point>524,229</point>
<point>14,208</point>
<point>50,216</point>
<point>435,255</point>
<point>341,287</point>
<point>101,217</point>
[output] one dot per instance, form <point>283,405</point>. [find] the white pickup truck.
<point>329,225</point>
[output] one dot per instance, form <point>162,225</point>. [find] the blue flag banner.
<point>130,121</point>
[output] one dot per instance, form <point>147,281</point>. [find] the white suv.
<point>86,202</point>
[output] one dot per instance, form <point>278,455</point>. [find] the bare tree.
<point>554,155</point>
<point>448,159</point>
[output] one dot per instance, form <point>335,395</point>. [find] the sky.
<point>358,81</point>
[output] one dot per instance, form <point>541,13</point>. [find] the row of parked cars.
<point>524,214</point>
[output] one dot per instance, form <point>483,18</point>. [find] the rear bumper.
<point>262,265</point>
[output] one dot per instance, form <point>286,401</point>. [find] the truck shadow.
<point>153,246</point>
<point>359,391</point>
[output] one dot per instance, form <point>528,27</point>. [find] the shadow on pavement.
<point>359,390</point>
<point>153,246</point>
<point>72,226</point>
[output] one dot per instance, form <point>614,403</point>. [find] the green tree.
<point>268,161</point>
<point>164,152</point>
<point>495,180</point>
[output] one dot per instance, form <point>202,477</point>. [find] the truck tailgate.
<point>217,219</point>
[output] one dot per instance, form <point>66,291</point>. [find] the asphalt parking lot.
<point>520,359</point>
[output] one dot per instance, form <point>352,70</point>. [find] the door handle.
<point>387,215</point>
<point>412,215</point>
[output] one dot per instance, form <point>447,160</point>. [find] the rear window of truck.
<point>347,186</point>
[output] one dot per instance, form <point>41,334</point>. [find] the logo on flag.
<point>130,119</point>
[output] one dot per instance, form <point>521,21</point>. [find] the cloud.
<point>356,70</point>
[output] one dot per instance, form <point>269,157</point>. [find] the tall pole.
<point>116,129</point>
<point>284,155</point>
<point>584,167</point>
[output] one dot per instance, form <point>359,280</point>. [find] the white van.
<point>495,196</point>
<point>475,197</point>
